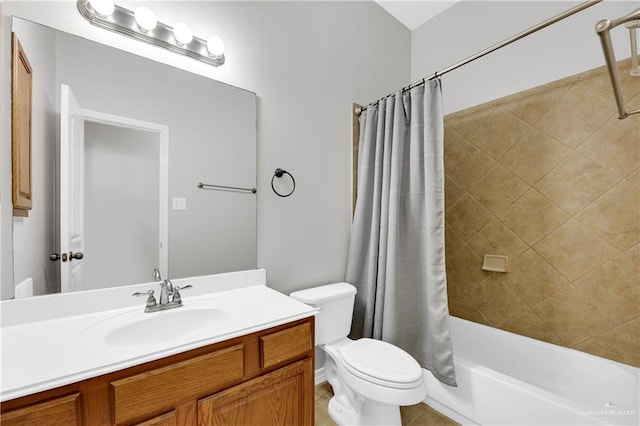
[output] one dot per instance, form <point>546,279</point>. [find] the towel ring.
<point>278,174</point>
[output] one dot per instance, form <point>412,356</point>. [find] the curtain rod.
<point>578,8</point>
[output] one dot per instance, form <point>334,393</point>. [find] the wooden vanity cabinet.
<point>265,378</point>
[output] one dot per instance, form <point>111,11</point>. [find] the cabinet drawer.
<point>63,411</point>
<point>286,344</point>
<point>155,391</point>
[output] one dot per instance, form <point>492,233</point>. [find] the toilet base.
<point>369,413</point>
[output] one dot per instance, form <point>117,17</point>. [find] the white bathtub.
<point>507,379</point>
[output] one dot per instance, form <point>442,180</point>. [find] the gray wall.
<point>122,170</point>
<point>566,48</point>
<point>307,61</point>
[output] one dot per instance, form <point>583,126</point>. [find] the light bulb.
<point>182,33</point>
<point>215,46</point>
<point>103,7</point>
<point>145,18</point>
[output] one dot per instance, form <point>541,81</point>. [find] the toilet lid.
<point>382,363</point>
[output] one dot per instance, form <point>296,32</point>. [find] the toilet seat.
<point>381,363</point>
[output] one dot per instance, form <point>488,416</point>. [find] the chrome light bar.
<point>123,21</point>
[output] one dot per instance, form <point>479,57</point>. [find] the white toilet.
<point>370,378</point>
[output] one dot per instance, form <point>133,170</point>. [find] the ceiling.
<point>413,13</point>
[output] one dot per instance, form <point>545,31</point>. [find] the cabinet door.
<point>282,397</point>
<point>168,419</point>
<point>63,411</point>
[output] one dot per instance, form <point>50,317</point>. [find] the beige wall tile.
<point>454,291</point>
<point>615,286</point>
<point>465,309</point>
<point>465,268</point>
<point>497,133</point>
<point>454,147</point>
<point>452,192</point>
<point>576,115</point>
<point>616,215</point>
<point>621,344</point>
<point>615,146</point>
<point>576,183</point>
<point>574,250</point>
<point>533,278</point>
<point>466,123</point>
<point>533,216</point>
<point>464,162</point>
<point>634,103</point>
<point>498,189</point>
<point>495,300</point>
<point>534,155</point>
<point>528,324</point>
<point>531,108</point>
<point>495,238</point>
<point>581,214</point>
<point>452,242</point>
<point>572,315</point>
<point>599,83</point>
<point>467,217</point>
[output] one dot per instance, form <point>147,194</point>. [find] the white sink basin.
<point>166,326</point>
<point>157,328</point>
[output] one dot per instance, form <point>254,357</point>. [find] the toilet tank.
<point>335,305</point>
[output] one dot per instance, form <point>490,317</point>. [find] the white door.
<point>71,192</point>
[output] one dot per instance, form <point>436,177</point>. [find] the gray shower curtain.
<point>396,254</point>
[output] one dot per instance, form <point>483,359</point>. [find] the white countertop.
<point>45,351</point>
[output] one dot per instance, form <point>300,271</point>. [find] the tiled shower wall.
<point>549,177</point>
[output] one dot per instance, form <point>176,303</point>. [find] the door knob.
<point>79,255</point>
<point>54,257</point>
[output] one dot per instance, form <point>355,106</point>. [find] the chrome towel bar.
<point>229,188</point>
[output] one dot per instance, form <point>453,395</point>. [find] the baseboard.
<point>320,376</point>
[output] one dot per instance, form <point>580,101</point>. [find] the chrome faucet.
<point>156,275</point>
<point>169,297</point>
<point>166,291</point>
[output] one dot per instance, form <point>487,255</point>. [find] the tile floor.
<point>414,415</point>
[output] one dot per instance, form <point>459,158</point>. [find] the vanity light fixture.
<point>143,25</point>
<point>145,19</point>
<point>182,33</point>
<point>103,8</point>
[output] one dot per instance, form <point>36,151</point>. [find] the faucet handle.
<point>151,300</point>
<point>176,293</point>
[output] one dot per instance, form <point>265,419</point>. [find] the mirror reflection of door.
<point>113,225</point>
<point>71,166</point>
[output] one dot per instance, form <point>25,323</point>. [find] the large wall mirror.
<point>119,145</point>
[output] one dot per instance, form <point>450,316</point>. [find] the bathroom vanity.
<point>255,365</point>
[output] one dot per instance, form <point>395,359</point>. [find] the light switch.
<point>179,203</point>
